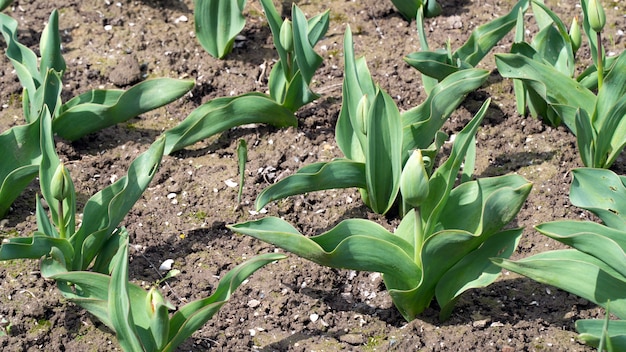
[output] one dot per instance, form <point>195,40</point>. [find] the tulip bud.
<point>432,9</point>
<point>286,36</point>
<point>596,16</point>
<point>361,113</point>
<point>574,35</point>
<point>414,180</point>
<point>61,183</point>
<point>158,315</point>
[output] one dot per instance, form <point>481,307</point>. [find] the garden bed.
<point>293,304</point>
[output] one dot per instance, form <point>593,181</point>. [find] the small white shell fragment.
<point>166,265</point>
<point>171,195</point>
<point>230,183</point>
<point>313,317</point>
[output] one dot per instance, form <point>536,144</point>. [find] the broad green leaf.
<point>383,158</point>
<point>192,316</point>
<point>91,291</point>
<point>601,192</point>
<point>438,64</point>
<point>599,241</point>
<point>420,124</point>
<point>553,41</point>
<point>574,272</point>
<point>486,36</point>
<point>485,205</point>
<point>34,247</point>
<point>217,23</point>
<point>611,138</point>
<point>298,93</point>
<point>429,82</point>
<point>50,46</point>
<point>348,245</point>
<point>308,60</point>
<point>591,331</point>
<point>357,82</point>
<point>442,180</point>
<point>93,111</point>
<point>435,64</point>
<point>5,3</point>
<point>275,22</point>
<point>221,114</point>
<point>475,269</point>
<point>585,138</point>
<point>119,303</point>
<point>339,173</point>
<point>105,209</point>
<point>408,8</point>
<point>62,213</point>
<point>553,86</point>
<point>20,163</point>
<point>23,59</point>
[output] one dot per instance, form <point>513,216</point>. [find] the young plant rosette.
<point>441,248</point>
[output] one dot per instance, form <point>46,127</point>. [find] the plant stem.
<point>62,231</point>
<point>419,237</point>
<point>600,66</point>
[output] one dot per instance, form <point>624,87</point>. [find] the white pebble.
<point>166,265</point>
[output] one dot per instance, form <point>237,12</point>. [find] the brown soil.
<point>294,304</point>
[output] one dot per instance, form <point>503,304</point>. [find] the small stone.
<point>352,339</point>
<point>480,324</point>
<point>126,72</point>
<point>166,265</point>
<point>313,317</point>
<point>253,303</point>
<point>171,195</point>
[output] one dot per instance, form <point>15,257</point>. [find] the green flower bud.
<point>286,36</point>
<point>156,307</point>
<point>574,35</point>
<point>414,180</point>
<point>596,16</point>
<point>61,183</point>
<point>432,9</point>
<point>361,113</point>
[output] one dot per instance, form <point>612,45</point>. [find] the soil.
<point>291,305</point>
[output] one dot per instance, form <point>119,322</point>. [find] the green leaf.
<point>339,173</point>
<point>357,82</point>
<point>23,59</point>
<point>192,316</point>
<point>34,247</point>
<point>275,22</point>
<point>242,158</point>
<point>20,162</point>
<point>601,192</point>
<point>591,331</point>
<point>475,269</point>
<point>442,180</point>
<point>119,303</point>
<point>554,87</point>
<point>574,272</point>
<point>348,245</point>
<point>221,114</point>
<point>408,8</point>
<point>594,239</point>
<point>307,59</point>
<point>383,158</point>
<point>95,110</point>
<point>63,213</point>
<point>50,44</point>
<point>420,124</point>
<point>217,23</point>
<point>486,205</point>
<point>5,3</point>
<point>105,209</point>
<point>486,36</point>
